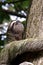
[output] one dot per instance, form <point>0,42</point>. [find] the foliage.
<point>3,15</point>
<point>2,43</point>
<point>18,6</point>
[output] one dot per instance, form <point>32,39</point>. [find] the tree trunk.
<point>35,20</point>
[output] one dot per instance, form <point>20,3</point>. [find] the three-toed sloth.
<point>15,31</point>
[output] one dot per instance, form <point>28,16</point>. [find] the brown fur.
<point>15,31</point>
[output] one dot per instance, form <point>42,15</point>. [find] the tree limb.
<point>18,47</point>
<point>13,13</point>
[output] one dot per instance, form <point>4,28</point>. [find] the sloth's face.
<point>16,29</point>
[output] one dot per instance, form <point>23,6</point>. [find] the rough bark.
<point>19,47</point>
<point>35,20</point>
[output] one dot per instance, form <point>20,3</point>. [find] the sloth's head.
<point>16,28</point>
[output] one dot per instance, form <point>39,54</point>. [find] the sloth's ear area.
<point>17,22</point>
<point>11,24</point>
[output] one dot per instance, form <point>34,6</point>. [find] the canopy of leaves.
<point>13,6</point>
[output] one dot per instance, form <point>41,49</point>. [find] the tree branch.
<point>18,47</point>
<point>12,2</point>
<point>13,13</point>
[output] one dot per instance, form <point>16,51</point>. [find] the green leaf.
<point>3,16</point>
<point>9,0</point>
